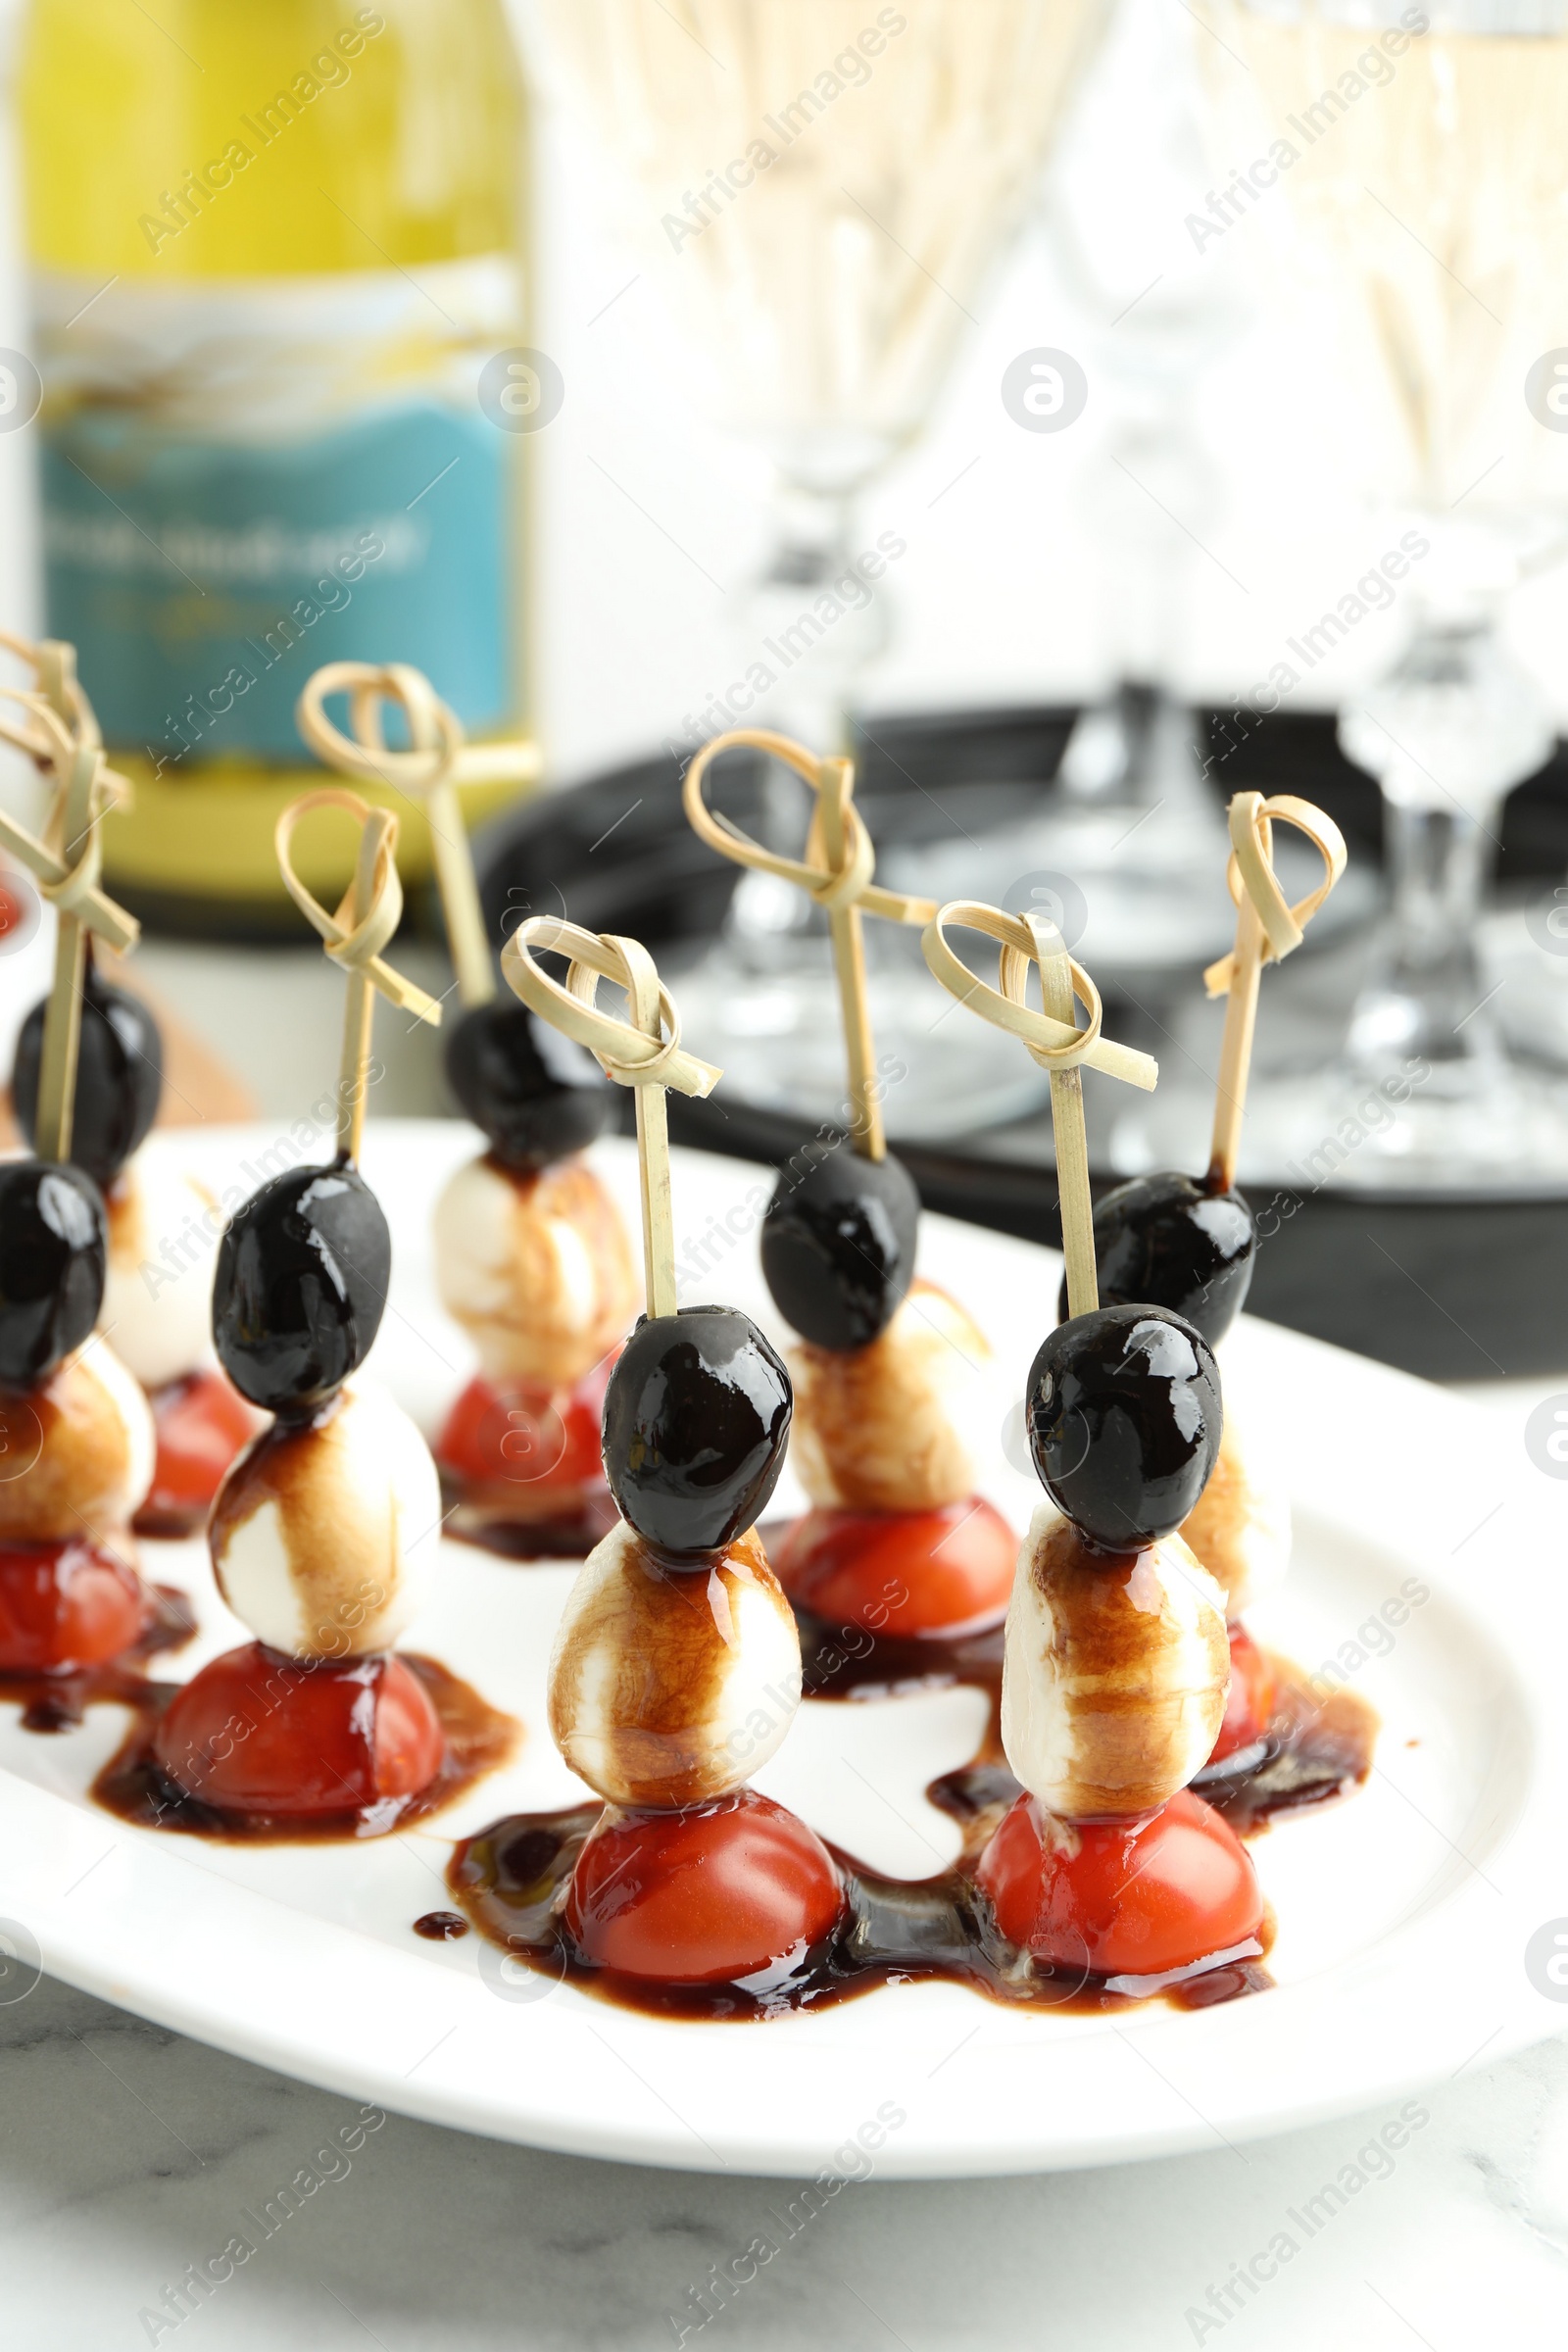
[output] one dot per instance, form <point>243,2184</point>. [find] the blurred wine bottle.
<point>274,245</point>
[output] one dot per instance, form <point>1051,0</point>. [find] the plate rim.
<point>332,2009</point>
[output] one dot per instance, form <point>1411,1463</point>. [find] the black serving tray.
<point>1455,1287</point>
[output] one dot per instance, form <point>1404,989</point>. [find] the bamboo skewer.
<point>635,1052</point>
<point>1070,1135</point>
<point>429,773</point>
<point>359,998</point>
<point>1236,1046</point>
<point>1267,929</point>
<point>56,730</point>
<point>1053,1042</point>
<point>62,1021</point>
<point>354,935</point>
<point>866,1132</point>
<point>837,874</point>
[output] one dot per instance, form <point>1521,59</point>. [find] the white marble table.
<point>126,2153</point>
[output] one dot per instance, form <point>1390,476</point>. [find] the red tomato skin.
<point>64,1606</point>
<point>1250,1702</point>
<point>900,1573</point>
<point>525,1437</point>
<point>202,1422</point>
<point>1137,1899</point>
<point>255,1732</point>
<point>705,1896</point>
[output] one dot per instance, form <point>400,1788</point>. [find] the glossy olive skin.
<point>301,1286</point>
<point>1125,1418</point>
<point>54,1259</point>
<point>1169,1241</point>
<point>838,1244</point>
<point>536,1094</point>
<point>119,1077</point>
<point>696,1415</point>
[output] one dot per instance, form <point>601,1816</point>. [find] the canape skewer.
<point>1052,1041</point>
<point>637,1052</point>
<point>1267,929</point>
<point>56,730</point>
<point>837,873</point>
<point>429,772</point>
<point>355,935</point>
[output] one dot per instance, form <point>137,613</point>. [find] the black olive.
<point>1167,1240</point>
<point>1124,1417</point>
<point>535,1094</point>
<point>54,1259</point>
<point>838,1244</point>
<point>119,1077</point>
<point>697,1414</point>
<point>300,1287</point>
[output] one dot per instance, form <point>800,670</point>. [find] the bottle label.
<point>244,478</point>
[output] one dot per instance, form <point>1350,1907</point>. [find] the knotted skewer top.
<point>644,1052</point>
<point>354,935</point>
<point>839,861</point>
<point>1267,929</point>
<point>1251,870</point>
<point>835,873</point>
<point>440,760</point>
<point>361,923</point>
<point>55,726</point>
<point>65,864</point>
<point>1053,1042</point>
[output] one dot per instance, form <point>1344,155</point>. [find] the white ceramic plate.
<point>1403,1914</point>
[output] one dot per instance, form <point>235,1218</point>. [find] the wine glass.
<point>1423,168</point>
<point>1132,820</point>
<point>819,188</point>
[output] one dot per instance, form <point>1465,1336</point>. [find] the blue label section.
<point>202,581</point>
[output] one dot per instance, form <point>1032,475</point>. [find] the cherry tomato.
<point>66,1604</point>
<point>1249,1703</point>
<point>1135,1899</point>
<point>705,1896</point>
<point>255,1732</point>
<point>900,1573</point>
<point>202,1422</point>
<point>13,910</point>
<point>523,1435</point>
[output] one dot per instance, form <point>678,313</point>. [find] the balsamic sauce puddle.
<point>487,1517</point>
<point>57,1702</point>
<point>511,1878</point>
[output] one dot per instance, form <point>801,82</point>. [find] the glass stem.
<point>1425,994</point>
<point>813,621</point>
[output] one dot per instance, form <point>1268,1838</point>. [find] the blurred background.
<point>1082,410</point>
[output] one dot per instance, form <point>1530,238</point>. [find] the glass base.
<point>1524,956</point>
<point>778,1037</point>
<point>1418,1127</point>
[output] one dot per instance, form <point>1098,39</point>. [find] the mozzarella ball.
<point>537,1269</point>
<point>157,1306</point>
<point>671,1686</point>
<point>76,1453</point>
<point>1114,1674</point>
<point>1240,1529</point>
<point>324,1533</point>
<point>906,1424</point>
